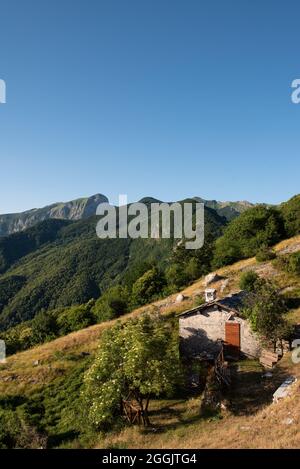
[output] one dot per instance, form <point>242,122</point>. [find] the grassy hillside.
<point>43,385</point>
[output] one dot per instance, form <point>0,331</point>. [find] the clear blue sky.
<point>148,97</point>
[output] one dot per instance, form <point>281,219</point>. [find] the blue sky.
<point>148,97</point>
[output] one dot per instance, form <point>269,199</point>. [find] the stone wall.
<point>200,331</point>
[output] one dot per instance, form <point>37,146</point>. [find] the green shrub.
<point>265,254</point>
<point>16,432</point>
<point>289,263</point>
<point>198,300</point>
<point>248,281</point>
<point>52,415</point>
<point>112,304</point>
<point>294,263</point>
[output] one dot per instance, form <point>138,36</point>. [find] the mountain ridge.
<point>84,207</point>
<point>76,209</point>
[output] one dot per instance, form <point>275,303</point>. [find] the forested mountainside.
<point>57,277</point>
<point>60,263</point>
<point>229,210</point>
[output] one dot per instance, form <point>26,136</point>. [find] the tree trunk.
<point>144,410</point>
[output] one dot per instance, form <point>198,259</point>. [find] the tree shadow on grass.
<point>65,437</point>
<point>293,303</point>
<point>250,391</point>
<point>174,412</point>
<point>11,402</point>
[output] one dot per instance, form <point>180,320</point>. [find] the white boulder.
<point>180,298</point>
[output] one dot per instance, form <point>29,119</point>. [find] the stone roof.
<point>232,302</point>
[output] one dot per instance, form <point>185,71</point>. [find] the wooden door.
<point>233,338</point>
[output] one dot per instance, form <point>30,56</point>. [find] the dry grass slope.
<point>177,425</point>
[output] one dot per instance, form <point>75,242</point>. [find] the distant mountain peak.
<point>227,209</point>
<point>150,200</point>
<point>73,210</point>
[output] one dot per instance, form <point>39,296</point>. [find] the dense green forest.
<point>57,264</point>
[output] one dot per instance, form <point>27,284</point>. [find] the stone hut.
<point>203,329</point>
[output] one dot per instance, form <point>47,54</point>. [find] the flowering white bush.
<point>140,358</point>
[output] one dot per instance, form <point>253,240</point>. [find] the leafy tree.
<point>17,338</point>
<point>257,227</point>
<point>141,359</point>
<point>265,308</point>
<point>188,265</point>
<point>112,304</point>
<point>76,318</point>
<point>136,270</point>
<point>47,325</point>
<point>147,287</point>
<point>291,215</point>
<point>176,277</point>
<point>43,327</point>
